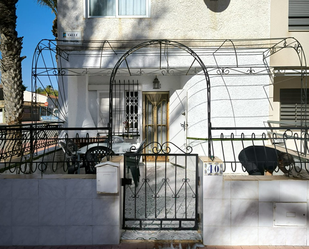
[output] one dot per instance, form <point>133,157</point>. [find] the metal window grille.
<point>126,108</point>
<point>132,110</point>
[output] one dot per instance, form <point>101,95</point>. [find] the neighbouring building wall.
<point>171,20</point>
<point>286,59</point>
<point>280,28</point>
<point>41,99</point>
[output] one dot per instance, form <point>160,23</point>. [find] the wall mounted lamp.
<point>156,83</point>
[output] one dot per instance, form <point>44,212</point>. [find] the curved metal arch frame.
<point>293,43</point>
<point>51,46</point>
<point>168,43</point>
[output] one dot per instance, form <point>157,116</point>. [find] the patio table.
<point>119,148</point>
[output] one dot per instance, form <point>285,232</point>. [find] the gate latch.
<point>184,125</point>
<point>126,181</point>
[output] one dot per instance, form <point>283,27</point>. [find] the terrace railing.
<point>36,148</point>
<point>291,140</point>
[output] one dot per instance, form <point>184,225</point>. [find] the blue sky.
<point>34,23</point>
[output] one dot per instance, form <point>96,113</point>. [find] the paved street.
<point>154,245</point>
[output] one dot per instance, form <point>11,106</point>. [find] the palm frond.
<point>52,4</point>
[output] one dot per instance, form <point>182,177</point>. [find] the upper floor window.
<point>291,108</point>
<point>118,8</point>
<point>299,15</point>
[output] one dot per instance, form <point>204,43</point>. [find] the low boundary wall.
<point>57,211</point>
<point>254,210</point>
<point>236,210</point>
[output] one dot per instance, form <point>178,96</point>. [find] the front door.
<point>155,118</point>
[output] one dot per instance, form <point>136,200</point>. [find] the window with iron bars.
<point>131,113</point>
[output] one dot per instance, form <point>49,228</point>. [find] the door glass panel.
<point>164,112</point>
<point>149,113</point>
<point>155,121</point>
<point>159,114</point>
<point>161,134</point>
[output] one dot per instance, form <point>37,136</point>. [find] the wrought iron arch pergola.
<point>159,43</point>
<point>51,65</point>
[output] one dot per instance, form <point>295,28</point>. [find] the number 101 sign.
<point>213,168</point>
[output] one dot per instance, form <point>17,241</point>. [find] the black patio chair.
<point>94,156</point>
<point>70,150</point>
<point>132,162</point>
<point>258,159</point>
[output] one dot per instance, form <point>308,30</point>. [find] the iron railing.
<point>282,140</point>
<point>35,148</point>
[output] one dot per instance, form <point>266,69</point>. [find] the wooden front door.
<point>155,118</point>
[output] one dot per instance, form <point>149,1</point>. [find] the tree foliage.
<point>48,90</point>
<point>52,4</point>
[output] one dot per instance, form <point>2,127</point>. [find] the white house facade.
<point>216,62</point>
<point>207,77</point>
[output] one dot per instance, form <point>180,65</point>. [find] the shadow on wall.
<point>89,26</point>
<point>250,216</point>
<point>217,5</point>
<point>139,26</point>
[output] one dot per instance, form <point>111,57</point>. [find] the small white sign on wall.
<point>213,168</point>
<point>72,36</point>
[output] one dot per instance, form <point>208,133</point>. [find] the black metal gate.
<point>160,189</point>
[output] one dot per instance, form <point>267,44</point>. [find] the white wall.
<point>57,211</point>
<point>172,20</point>
<point>78,112</point>
<point>236,101</point>
<point>247,212</point>
<point>61,211</point>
